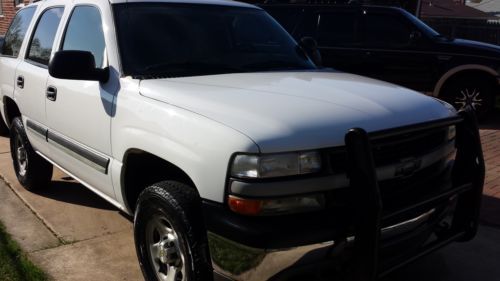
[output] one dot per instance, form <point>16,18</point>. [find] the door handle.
<point>20,82</point>
<point>51,93</point>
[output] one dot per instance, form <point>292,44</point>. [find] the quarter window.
<point>17,31</point>
<point>41,44</point>
<point>84,33</point>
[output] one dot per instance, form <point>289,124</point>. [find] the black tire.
<point>4,129</point>
<point>177,207</point>
<point>474,90</point>
<point>36,173</point>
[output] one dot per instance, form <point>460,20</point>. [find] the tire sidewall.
<point>38,170</point>
<point>150,205</point>
<point>17,132</point>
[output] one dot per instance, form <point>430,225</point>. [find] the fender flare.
<point>461,68</point>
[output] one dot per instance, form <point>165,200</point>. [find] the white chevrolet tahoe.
<point>236,156</point>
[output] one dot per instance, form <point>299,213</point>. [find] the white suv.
<point>237,157</point>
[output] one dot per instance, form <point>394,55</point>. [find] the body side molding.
<point>90,157</point>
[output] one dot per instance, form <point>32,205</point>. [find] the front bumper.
<point>365,241</point>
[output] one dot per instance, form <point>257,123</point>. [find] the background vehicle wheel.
<point>4,129</point>
<point>169,233</point>
<point>32,171</point>
<point>475,91</point>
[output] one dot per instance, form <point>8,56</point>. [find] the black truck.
<point>390,44</point>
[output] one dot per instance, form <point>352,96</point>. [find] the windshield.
<point>176,40</point>
<point>427,30</point>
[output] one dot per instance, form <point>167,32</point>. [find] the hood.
<point>475,48</point>
<point>290,111</point>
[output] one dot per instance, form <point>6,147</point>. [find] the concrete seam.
<point>61,240</point>
<point>76,242</point>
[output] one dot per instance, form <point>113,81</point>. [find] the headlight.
<point>276,165</point>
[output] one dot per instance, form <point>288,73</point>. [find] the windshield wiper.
<point>188,67</point>
<point>274,65</point>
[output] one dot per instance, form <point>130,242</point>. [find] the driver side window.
<point>84,33</point>
<point>386,31</point>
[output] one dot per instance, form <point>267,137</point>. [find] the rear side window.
<point>338,29</point>
<point>41,43</point>
<point>386,31</point>
<point>17,31</point>
<point>84,33</point>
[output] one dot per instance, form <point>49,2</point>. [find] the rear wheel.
<point>32,171</point>
<point>476,92</point>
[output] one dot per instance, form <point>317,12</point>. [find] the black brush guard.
<point>467,179</point>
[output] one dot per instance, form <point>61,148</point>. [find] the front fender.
<point>199,146</point>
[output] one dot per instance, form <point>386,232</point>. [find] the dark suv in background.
<point>391,44</point>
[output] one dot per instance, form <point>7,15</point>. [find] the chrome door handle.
<point>51,93</point>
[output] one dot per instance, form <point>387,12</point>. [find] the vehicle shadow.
<point>490,211</point>
<point>74,193</point>
<point>461,261</point>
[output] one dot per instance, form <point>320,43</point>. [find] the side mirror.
<point>77,65</point>
<point>310,46</point>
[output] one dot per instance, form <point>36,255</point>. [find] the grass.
<point>14,265</point>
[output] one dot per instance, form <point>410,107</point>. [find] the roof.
<point>451,9</point>
<point>491,7</point>
<point>206,2</point>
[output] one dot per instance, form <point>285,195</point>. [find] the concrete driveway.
<point>67,230</point>
<point>75,235</point>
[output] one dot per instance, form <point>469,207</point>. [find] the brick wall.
<point>8,13</point>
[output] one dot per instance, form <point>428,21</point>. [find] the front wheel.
<point>169,234</point>
<point>474,92</point>
<point>32,171</point>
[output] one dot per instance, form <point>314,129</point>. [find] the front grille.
<point>394,149</point>
<point>401,190</point>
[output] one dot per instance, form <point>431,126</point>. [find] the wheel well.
<point>142,169</point>
<point>11,110</point>
<point>469,74</point>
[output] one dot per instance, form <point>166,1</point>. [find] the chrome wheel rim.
<point>21,157</point>
<point>468,98</point>
<point>164,250</point>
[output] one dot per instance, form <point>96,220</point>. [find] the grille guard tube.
<point>370,255</point>
<point>469,169</point>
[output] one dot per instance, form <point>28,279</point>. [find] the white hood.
<point>288,111</point>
